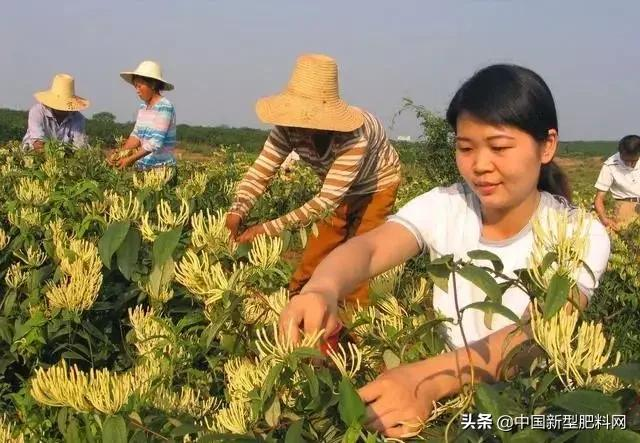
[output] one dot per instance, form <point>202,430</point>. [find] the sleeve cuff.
<point>422,244</point>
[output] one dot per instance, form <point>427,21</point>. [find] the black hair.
<point>515,96</point>
<point>630,145</point>
<point>156,85</point>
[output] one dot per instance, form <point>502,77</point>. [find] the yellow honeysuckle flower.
<point>32,191</point>
<point>211,234</point>
<point>167,219</point>
<point>574,355</point>
<point>151,333</point>
<point>32,256</point>
<point>108,392</point>
<point>15,277</point>
<point>7,434</point>
<point>123,208</point>
<point>348,366</point>
<point>4,239</point>
<point>188,401</point>
<point>154,179</point>
<point>79,287</point>
<point>277,348</point>
<point>236,418</point>
<point>264,309</point>
<point>26,217</point>
<point>265,251</point>
<point>59,386</point>
<point>193,187</point>
<point>208,281</point>
<point>565,232</point>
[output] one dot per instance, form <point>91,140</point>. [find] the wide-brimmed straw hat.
<point>148,69</point>
<point>311,99</point>
<point>62,95</point>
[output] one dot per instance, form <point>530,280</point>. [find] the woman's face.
<point>144,90</point>
<point>500,163</point>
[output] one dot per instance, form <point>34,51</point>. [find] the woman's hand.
<point>232,222</point>
<point>311,312</point>
<point>125,162</point>
<point>400,400</point>
<point>250,233</point>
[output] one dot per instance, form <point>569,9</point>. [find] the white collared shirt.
<point>622,180</point>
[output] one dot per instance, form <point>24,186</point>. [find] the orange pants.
<point>355,215</point>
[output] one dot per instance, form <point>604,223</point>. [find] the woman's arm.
<point>348,265</point>
<point>405,394</point>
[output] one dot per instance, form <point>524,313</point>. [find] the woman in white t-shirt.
<point>506,137</point>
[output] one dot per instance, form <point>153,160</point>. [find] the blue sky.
<point>223,55</point>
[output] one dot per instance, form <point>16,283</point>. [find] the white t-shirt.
<point>448,221</point>
<point>622,180</point>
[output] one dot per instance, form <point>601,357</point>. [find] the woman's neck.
<point>503,224</point>
<point>153,100</point>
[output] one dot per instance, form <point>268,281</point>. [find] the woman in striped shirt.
<point>154,135</point>
<point>348,149</point>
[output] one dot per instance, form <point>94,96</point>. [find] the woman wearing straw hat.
<point>56,116</point>
<point>347,147</point>
<point>154,135</point>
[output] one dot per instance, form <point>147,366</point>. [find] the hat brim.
<point>295,111</point>
<point>58,103</point>
<point>128,77</point>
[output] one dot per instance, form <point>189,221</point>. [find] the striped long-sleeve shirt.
<point>360,162</point>
<point>156,129</point>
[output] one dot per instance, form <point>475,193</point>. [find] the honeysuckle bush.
<point>128,314</point>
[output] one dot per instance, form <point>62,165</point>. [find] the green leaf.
<point>557,295</point>
<point>528,436</point>
<point>565,437</point>
<point>127,254</point>
<point>285,236</point>
<point>111,240</point>
<point>489,400</point>
<point>548,260</point>
<point>627,372</point>
<point>442,260</point>
<point>439,274</point>
<point>543,386</point>
<point>608,436</point>
<point>482,280</point>
<point>165,244</point>
<point>353,433</point>
<point>391,360</point>
<point>270,380</point>
<point>161,275</point>
<point>294,433</point>
<point>114,430</point>
<point>351,407</point>
<point>479,254</point>
<point>10,301</point>
<point>587,402</point>
<point>272,414</point>
<point>73,432</point>
<point>489,307</point>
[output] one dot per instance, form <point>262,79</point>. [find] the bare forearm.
<point>342,270</point>
<point>131,143</point>
<point>600,209</point>
<point>446,374</point>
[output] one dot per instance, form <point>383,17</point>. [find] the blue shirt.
<point>156,129</point>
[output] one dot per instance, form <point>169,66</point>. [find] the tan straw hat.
<point>62,95</point>
<point>311,99</point>
<point>149,69</point>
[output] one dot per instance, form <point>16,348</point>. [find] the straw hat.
<point>311,99</point>
<point>149,69</point>
<point>62,95</point>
